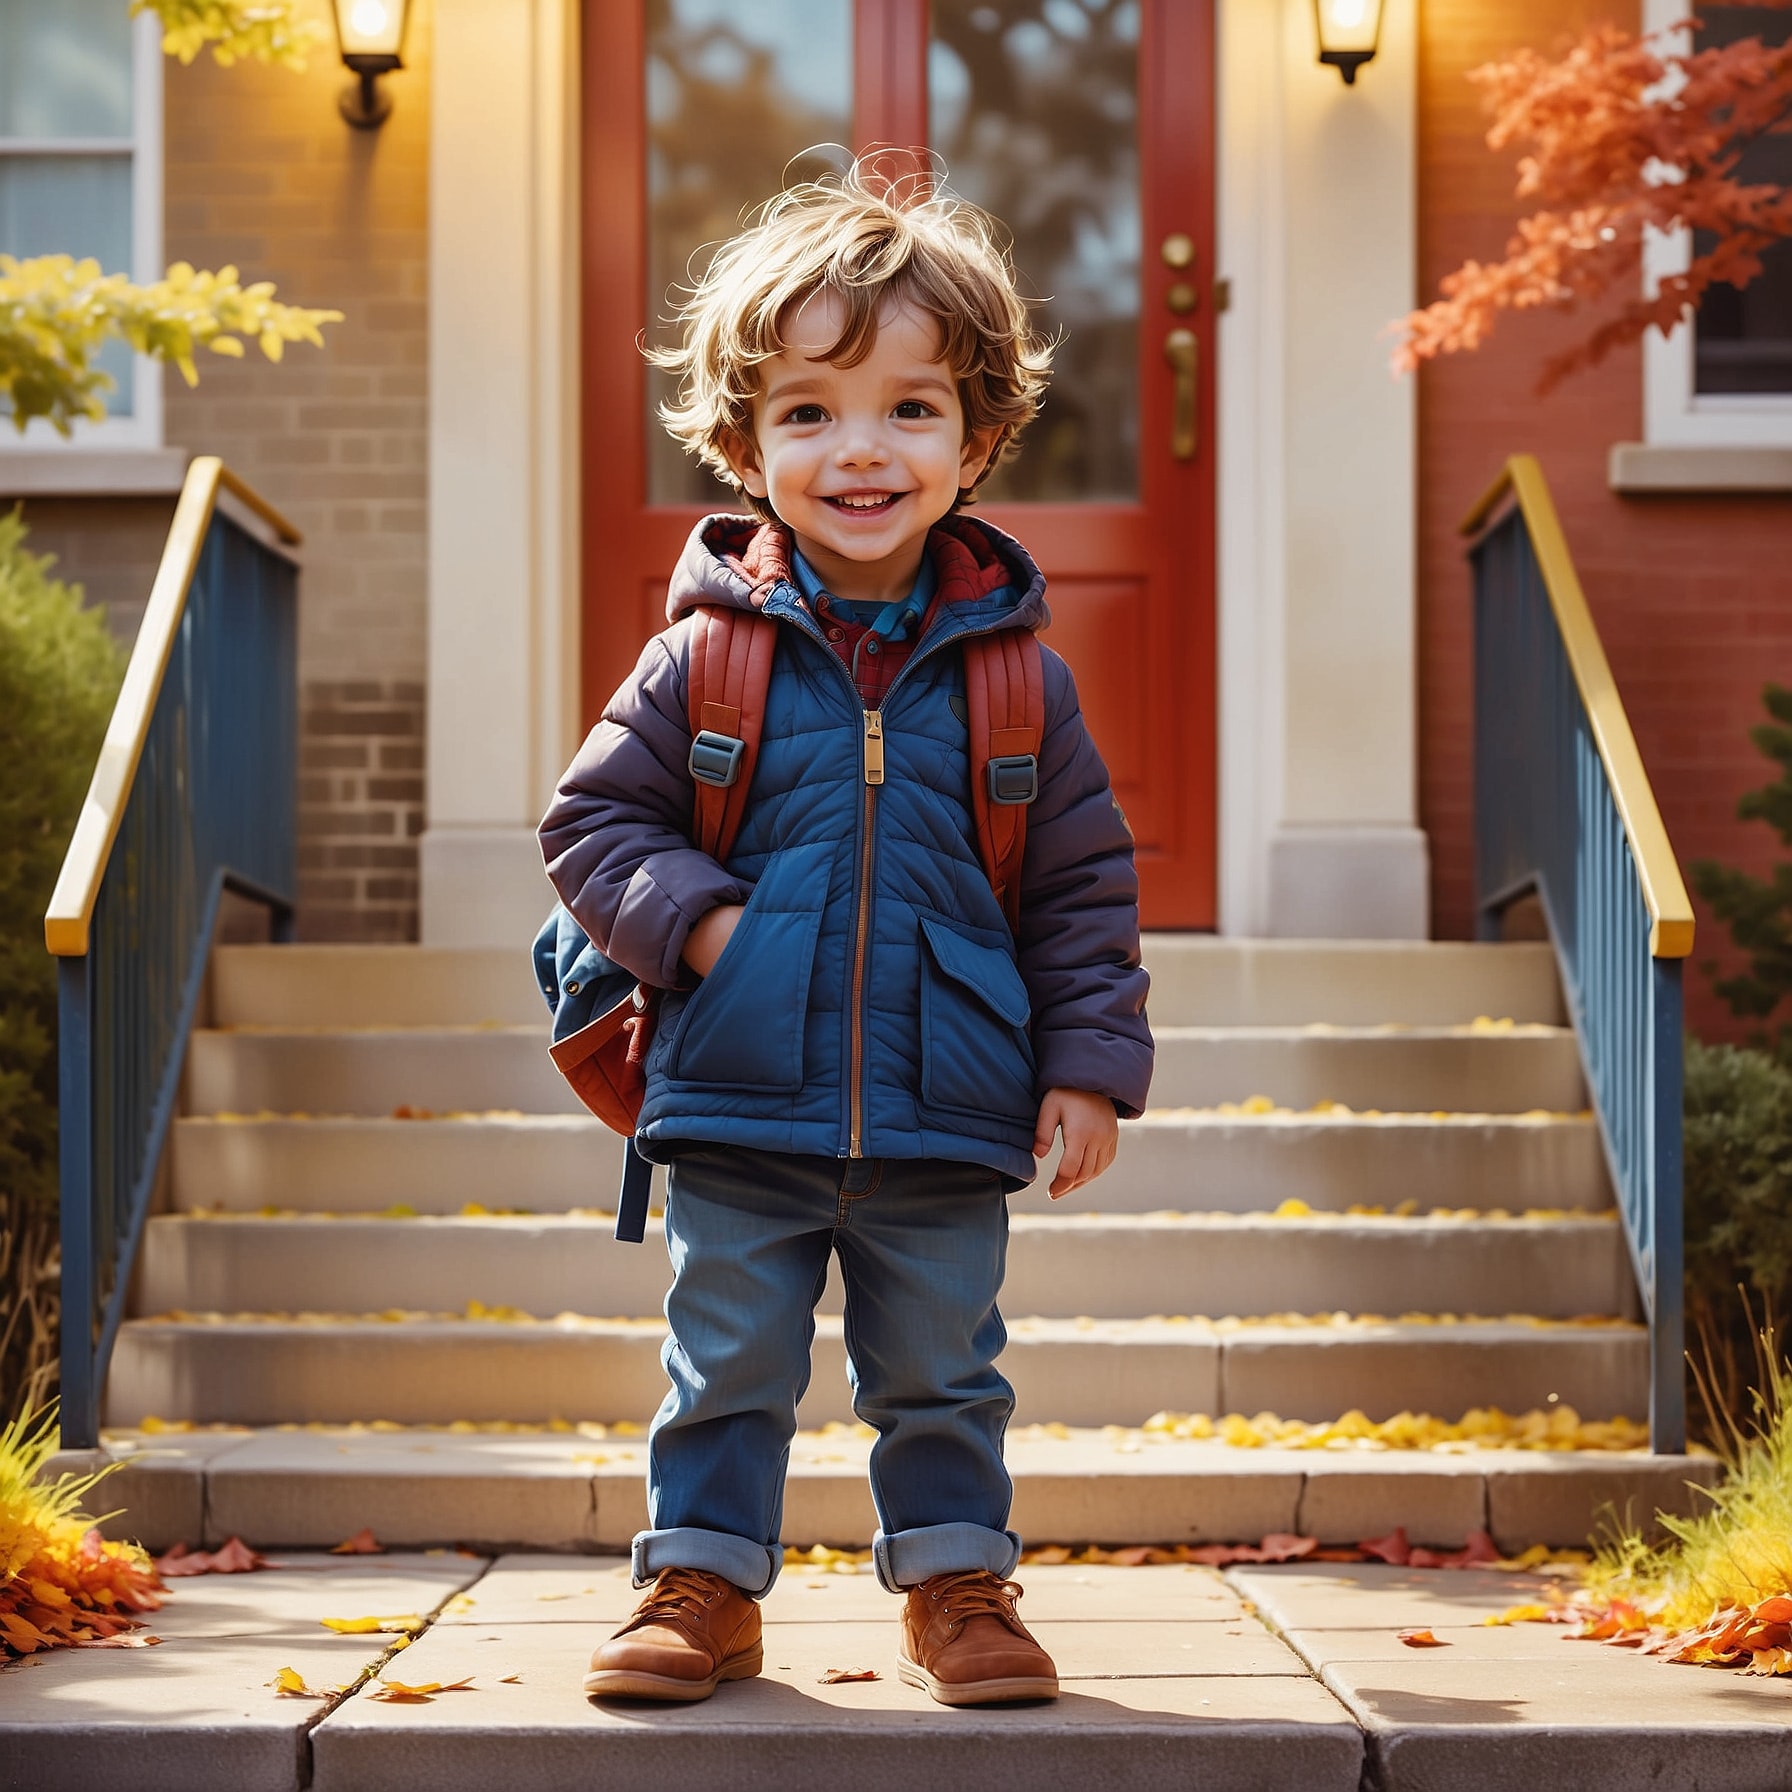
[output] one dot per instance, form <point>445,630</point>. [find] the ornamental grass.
<point>61,1583</point>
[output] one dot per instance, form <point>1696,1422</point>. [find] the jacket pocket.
<point>743,1026</point>
<point>975,1051</point>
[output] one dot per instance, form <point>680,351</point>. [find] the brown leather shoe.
<point>693,1630</point>
<point>964,1642</point>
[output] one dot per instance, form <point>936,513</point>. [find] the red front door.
<point>1086,126</point>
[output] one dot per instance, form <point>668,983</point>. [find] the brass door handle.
<point>1183,352</point>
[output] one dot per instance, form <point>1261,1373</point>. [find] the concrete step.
<point>1198,980</point>
<point>443,1069</point>
<point>374,986</point>
<point>374,1070</point>
<point>1059,1266</point>
<point>1168,1159</point>
<point>1081,1372</point>
<point>540,1490</point>
<point>1414,1070</point>
<point>1199,1159</point>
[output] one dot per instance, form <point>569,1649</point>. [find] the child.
<point>855,1054</point>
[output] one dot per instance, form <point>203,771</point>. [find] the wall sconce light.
<point>1349,31</point>
<point>370,34</point>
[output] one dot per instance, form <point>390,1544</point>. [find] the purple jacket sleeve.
<point>616,838</point>
<point>1079,929</point>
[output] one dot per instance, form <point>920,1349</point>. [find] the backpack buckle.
<point>715,758</point>
<point>1014,779</point>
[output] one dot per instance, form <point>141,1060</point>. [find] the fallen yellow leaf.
<point>397,1692</point>
<point>289,1683</point>
<point>406,1622</point>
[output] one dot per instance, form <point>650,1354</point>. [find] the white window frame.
<point>143,427</point>
<point>1674,414</point>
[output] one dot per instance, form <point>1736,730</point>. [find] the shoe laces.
<point>976,1593</point>
<point>676,1593</point>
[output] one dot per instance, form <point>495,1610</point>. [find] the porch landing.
<point>1262,1679</point>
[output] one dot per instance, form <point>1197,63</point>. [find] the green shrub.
<point>1738,1141</point>
<point>1758,911</point>
<point>59,673</point>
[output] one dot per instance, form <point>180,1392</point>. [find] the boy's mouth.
<point>864,503</point>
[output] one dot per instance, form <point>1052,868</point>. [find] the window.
<point>1725,379</point>
<point>81,173</point>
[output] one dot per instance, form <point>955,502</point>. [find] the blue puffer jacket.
<point>872,1001</point>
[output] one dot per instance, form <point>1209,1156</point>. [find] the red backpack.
<point>605,1061</point>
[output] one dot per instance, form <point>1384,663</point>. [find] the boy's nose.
<point>861,447</point>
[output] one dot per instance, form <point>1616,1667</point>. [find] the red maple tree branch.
<point>1623,135</point>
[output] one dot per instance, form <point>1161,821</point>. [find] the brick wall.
<point>1692,595</point>
<point>108,546</point>
<point>360,807</point>
<point>263,173</point>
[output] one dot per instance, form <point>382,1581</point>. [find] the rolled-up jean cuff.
<point>750,1566</point>
<point>910,1557</point>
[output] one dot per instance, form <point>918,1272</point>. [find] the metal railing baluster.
<point>194,794</point>
<point>1563,808</point>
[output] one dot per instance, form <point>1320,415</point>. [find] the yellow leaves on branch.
<point>57,313</point>
<point>270,31</point>
<point>1623,136</point>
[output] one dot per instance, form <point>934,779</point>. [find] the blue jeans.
<point>922,1245</point>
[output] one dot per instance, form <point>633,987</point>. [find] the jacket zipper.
<point>874,776</point>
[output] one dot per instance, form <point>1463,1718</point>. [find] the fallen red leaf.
<point>1421,1639</point>
<point>362,1543</point>
<point>1475,1553</point>
<point>1392,1549</point>
<point>233,1557</point>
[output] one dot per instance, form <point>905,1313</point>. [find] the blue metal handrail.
<point>194,794</point>
<point>1563,808</point>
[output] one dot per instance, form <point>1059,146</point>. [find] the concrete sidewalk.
<point>1173,1677</point>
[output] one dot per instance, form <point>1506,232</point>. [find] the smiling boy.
<point>857,1054</point>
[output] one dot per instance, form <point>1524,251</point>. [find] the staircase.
<point>383,1205</point>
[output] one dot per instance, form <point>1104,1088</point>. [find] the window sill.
<point>1638,469</point>
<point>91,472</point>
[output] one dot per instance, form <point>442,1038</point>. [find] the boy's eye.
<point>912,410</point>
<point>805,413</point>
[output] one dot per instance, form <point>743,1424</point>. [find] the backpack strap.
<point>1004,690</point>
<point>730,673</point>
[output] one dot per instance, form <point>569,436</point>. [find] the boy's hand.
<point>703,944</point>
<point>1091,1136</point>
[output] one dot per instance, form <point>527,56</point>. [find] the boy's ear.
<point>980,447</point>
<point>742,454</point>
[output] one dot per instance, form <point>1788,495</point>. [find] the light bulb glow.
<point>370,27</point>
<point>1348,27</point>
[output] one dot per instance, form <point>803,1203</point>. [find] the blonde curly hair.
<point>872,242</point>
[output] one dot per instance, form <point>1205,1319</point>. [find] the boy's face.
<point>860,462</point>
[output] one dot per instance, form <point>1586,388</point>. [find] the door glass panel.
<point>1033,104</point>
<point>737,92</point>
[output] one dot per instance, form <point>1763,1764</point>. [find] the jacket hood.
<point>740,561</point>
